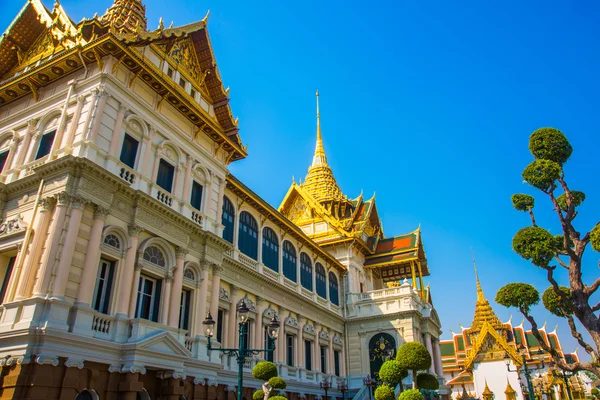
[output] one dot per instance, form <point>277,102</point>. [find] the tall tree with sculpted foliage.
<point>554,253</point>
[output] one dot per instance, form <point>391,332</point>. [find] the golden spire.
<point>483,310</point>
<point>487,394</point>
<point>320,182</point>
<point>126,16</point>
<point>319,158</point>
<point>510,393</point>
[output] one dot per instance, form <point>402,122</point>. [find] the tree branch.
<point>559,293</point>
<point>532,217</point>
<point>589,290</point>
<point>596,307</point>
<point>560,362</point>
<point>561,262</point>
<point>589,349</point>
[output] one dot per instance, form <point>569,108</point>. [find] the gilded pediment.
<point>184,56</point>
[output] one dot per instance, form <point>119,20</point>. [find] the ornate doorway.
<point>382,347</point>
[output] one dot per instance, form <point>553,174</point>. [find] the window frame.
<point>185,305</point>
<point>289,349</point>
<point>171,176</point>
<point>248,235</point>
<point>270,248</point>
<point>306,272</point>
<point>192,196</point>
<point>332,282</point>
<point>308,354</point>
<point>137,148</point>
<point>287,261</point>
<point>103,304</point>
<point>155,298</point>
<point>228,219</point>
<point>323,356</point>
<point>320,280</point>
<point>41,141</point>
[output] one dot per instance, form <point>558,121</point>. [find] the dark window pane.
<point>196,200</point>
<point>184,312</point>
<point>3,157</point>
<point>103,291</point>
<point>170,73</point>
<point>182,82</point>
<point>308,355</point>
<point>333,289</point>
<point>289,261</point>
<point>9,268</point>
<point>270,249</point>
<point>45,145</point>
<point>323,359</point>
<point>336,362</point>
<point>219,325</point>
<point>306,272</point>
<point>268,345</point>
<point>227,219</point>
<point>248,235</point>
<point>321,280</point>
<point>129,151</point>
<point>164,179</point>
<point>290,350</point>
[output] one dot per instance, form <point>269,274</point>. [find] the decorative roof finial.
<point>480,296</point>
<point>319,157</point>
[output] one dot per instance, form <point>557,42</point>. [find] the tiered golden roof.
<point>320,182</point>
<point>126,16</point>
<point>484,312</point>
<point>487,393</point>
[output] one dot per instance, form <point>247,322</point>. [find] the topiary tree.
<point>413,356</point>
<point>551,150</point>
<point>411,394</point>
<point>391,373</point>
<point>384,392</point>
<point>427,381</point>
<point>267,371</point>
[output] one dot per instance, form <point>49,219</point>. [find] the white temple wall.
<point>496,375</point>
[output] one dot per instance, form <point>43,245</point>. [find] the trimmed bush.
<point>595,238</point>
<point>264,370</point>
<point>550,144</point>
<point>391,373</point>
<point>384,392</point>
<point>258,395</point>
<point>413,356</point>
<point>411,394</point>
<point>277,383</point>
<point>518,295</point>
<point>576,196</point>
<point>522,202</point>
<point>278,398</point>
<point>553,303</point>
<point>542,174</point>
<point>427,381</point>
<point>535,244</point>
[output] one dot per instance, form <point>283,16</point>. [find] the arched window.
<point>189,274</point>
<point>289,261</point>
<point>248,235</point>
<point>87,394</point>
<point>153,255</point>
<point>270,249</point>
<point>112,241</point>
<point>227,219</point>
<point>334,294</point>
<point>321,280</point>
<point>306,272</point>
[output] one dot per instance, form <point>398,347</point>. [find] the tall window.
<point>336,362</point>
<point>308,355</point>
<point>334,295</point>
<point>103,289</point>
<point>321,280</point>
<point>306,272</point>
<point>196,200</point>
<point>45,144</point>
<point>246,335</point>
<point>6,278</point>
<point>289,261</point>
<point>170,72</point>
<point>164,179</point>
<point>220,315</point>
<point>324,359</point>
<point>289,358</point>
<point>153,255</point>
<point>227,219</point>
<point>3,158</point>
<point>148,298</point>
<point>184,309</point>
<point>248,235</point>
<point>270,249</point>
<point>268,345</point>
<point>129,151</point>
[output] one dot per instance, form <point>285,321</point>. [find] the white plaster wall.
<point>496,374</point>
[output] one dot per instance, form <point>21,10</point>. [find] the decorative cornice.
<point>181,252</point>
<point>100,212</point>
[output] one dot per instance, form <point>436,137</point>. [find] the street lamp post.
<point>526,371</point>
<point>326,385</point>
<point>242,351</point>
<point>343,387</point>
<point>369,383</point>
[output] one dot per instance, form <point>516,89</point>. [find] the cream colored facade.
<point>109,273</point>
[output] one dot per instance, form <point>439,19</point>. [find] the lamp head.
<point>243,311</point>
<point>273,328</point>
<point>209,325</point>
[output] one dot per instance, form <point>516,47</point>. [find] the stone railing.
<point>164,197</point>
<point>127,175</point>
<point>270,273</point>
<point>386,301</point>
<point>247,261</point>
<point>101,325</point>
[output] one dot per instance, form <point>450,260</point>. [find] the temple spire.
<point>126,16</point>
<point>480,295</point>
<point>319,159</point>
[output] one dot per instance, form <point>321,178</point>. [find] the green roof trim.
<point>447,349</point>
<point>531,340</point>
<point>461,343</point>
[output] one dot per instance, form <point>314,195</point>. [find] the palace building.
<point>122,228</point>
<point>487,360</point>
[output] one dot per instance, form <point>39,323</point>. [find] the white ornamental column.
<point>281,340</point>
<point>300,344</point>
<point>163,317</point>
<point>259,339</point>
<point>429,349</point>
<point>317,350</point>
<point>74,124</point>
<point>187,181</point>
<point>232,331</point>
<point>128,287</point>
<point>438,359</point>
<point>102,95</point>
<point>92,258</point>
<point>214,295</point>
<point>176,289</point>
<point>202,295</point>
<point>66,255</point>
<point>331,363</point>
<point>135,286</point>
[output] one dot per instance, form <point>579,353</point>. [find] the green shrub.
<point>427,381</point>
<point>542,174</point>
<point>522,202</point>
<point>553,303</point>
<point>277,383</point>
<point>595,237</point>
<point>535,244</point>
<point>264,370</point>
<point>413,356</point>
<point>550,144</point>
<point>518,295</point>
<point>384,392</point>
<point>278,398</point>
<point>411,394</point>
<point>576,196</point>
<point>391,373</point>
<point>258,395</point>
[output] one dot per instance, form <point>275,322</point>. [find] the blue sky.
<point>430,104</point>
